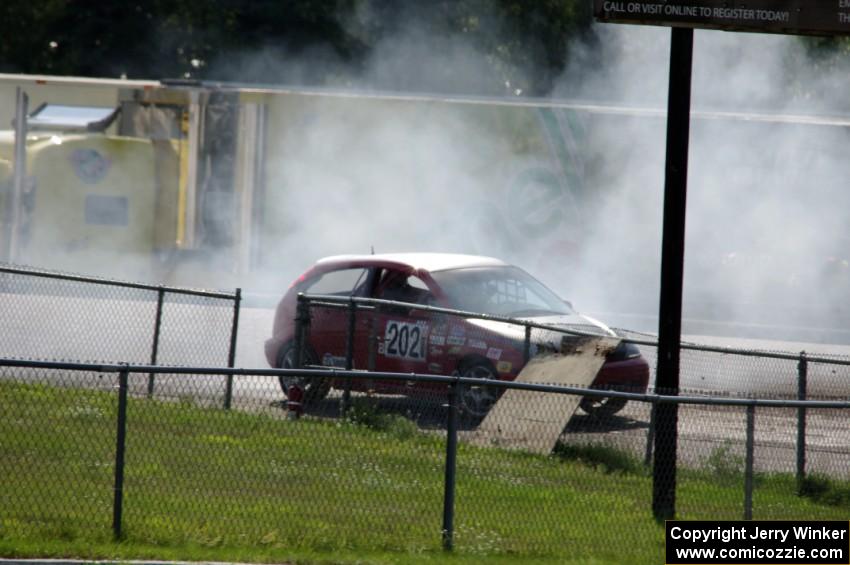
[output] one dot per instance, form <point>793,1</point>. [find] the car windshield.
<point>501,291</point>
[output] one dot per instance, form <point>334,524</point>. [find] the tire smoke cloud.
<point>766,240</point>
<point>766,243</point>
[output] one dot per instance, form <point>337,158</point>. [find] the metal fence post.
<point>302,314</point>
<point>13,204</point>
<point>349,356</point>
<point>748,465</point>
<point>120,441</point>
<point>451,463</point>
<point>526,346</point>
<point>160,297</point>
<point>802,378</point>
<point>650,436</point>
<point>231,357</point>
<point>295,392</point>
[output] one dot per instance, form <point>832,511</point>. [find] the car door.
<point>328,324</point>
<point>401,332</point>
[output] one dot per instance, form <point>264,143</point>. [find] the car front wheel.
<point>602,407</point>
<point>477,400</point>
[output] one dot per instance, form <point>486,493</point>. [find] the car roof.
<point>430,262</point>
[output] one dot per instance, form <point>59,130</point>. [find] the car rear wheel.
<point>602,407</point>
<point>314,389</point>
<point>477,400</point>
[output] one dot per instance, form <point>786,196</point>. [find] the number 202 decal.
<point>405,340</point>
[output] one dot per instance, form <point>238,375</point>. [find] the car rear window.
<point>340,283</point>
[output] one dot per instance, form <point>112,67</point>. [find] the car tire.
<point>476,401</point>
<point>314,389</point>
<point>602,407</point>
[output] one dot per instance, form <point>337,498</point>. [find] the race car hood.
<point>578,323</point>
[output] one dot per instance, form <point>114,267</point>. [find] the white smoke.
<point>764,198</point>
<point>766,238</point>
<point>573,196</point>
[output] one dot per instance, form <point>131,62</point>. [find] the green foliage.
<point>827,48</point>
<point>522,45</point>
<point>365,412</point>
<point>724,465</point>
<point>606,458</point>
<point>823,490</point>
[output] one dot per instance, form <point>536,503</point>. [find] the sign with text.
<point>805,17</point>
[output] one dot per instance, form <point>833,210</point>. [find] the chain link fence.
<point>396,473</point>
<point>50,315</point>
<point>418,461</point>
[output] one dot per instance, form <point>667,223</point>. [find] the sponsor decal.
<point>438,339</point>
<point>504,366</point>
<point>452,340</point>
<point>435,367</point>
<point>454,350</point>
<point>436,352</point>
<point>89,165</point>
<point>457,331</point>
<point>494,354</point>
<point>404,340</point>
<point>330,360</point>
<point>477,344</point>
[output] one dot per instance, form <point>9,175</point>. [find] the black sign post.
<point>813,17</point>
<point>672,271</point>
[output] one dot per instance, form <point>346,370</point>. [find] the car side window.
<point>339,283</point>
<point>398,286</point>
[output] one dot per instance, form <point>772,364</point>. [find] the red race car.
<point>407,340</point>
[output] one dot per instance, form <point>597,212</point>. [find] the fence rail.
<point>339,374</point>
<point>637,338</point>
<point>68,277</point>
<point>53,315</point>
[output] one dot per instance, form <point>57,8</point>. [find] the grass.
<point>826,491</point>
<point>208,484</point>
